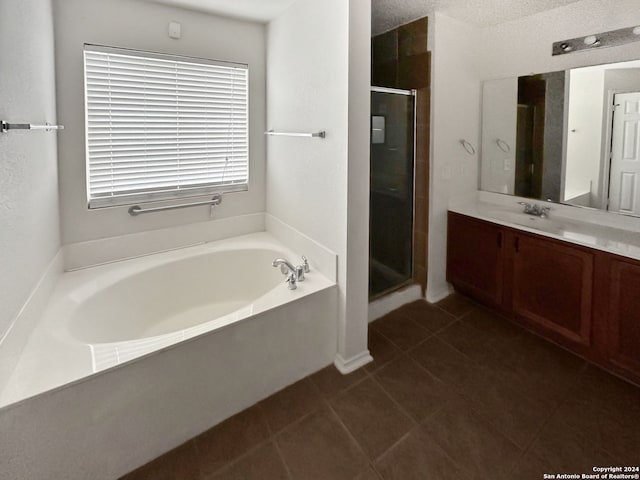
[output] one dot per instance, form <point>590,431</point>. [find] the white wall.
<point>143,25</point>
<point>29,233</point>
<point>584,133</point>
<point>455,115</point>
<point>312,184</point>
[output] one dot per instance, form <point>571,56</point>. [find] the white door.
<point>624,188</point>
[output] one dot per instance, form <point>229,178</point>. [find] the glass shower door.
<point>391,187</point>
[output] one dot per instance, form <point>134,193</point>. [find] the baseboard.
<point>352,364</point>
<point>439,295</point>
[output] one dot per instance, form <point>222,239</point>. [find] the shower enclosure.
<point>391,216</point>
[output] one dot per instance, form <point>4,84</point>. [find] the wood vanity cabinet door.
<point>623,320</point>
<point>551,287</point>
<point>474,258</point>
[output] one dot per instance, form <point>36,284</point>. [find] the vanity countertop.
<point>588,233</point>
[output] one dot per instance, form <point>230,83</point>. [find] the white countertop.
<point>581,227</point>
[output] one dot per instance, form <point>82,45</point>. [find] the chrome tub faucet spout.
<point>285,265</point>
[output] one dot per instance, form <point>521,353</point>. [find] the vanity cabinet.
<point>623,313</point>
<point>550,286</point>
<point>587,300</point>
<point>475,259</point>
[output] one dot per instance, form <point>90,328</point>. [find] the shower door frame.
<point>412,279</point>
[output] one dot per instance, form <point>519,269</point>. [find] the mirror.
<point>569,137</point>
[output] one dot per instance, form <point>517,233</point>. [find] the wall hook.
<point>468,147</point>
<point>502,145</point>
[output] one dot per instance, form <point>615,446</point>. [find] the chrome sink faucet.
<point>294,274</point>
<point>536,210</point>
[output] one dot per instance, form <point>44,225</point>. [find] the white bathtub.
<point>104,316</point>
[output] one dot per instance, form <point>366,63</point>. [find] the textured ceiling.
<point>388,14</point>
<point>255,10</point>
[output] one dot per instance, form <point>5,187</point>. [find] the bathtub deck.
<point>454,392</point>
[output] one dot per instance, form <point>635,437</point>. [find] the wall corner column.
<point>352,332</point>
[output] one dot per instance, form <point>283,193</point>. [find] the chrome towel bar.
<point>273,133</point>
<point>5,126</point>
<point>138,210</point>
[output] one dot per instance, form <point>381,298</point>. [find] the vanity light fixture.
<point>612,38</point>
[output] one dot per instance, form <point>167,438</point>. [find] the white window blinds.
<point>161,127</point>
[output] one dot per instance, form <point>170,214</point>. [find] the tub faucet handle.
<point>305,264</point>
<point>292,281</point>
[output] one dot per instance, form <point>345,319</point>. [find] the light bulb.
<point>590,40</point>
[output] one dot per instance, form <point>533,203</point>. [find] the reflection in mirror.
<point>570,136</point>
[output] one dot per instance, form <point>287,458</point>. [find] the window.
<point>161,127</point>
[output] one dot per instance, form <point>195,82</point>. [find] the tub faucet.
<point>294,274</point>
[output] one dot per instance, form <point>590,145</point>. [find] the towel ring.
<point>468,147</point>
<point>502,145</point>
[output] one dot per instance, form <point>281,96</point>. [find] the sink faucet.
<point>294,274</point>
<point>536,210</point>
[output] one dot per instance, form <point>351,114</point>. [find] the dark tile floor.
<point>455,392</point>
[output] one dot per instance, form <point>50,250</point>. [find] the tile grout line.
<point>523,450</point>
<point>432,333</point>
<point>406,317</point>
<point>240,458</point>
<point>444,327</point>
<point>345,389</point>
<point>419,424</point>
<point>392,446</point>
<point>474,305</point>
<point>324,401</point>
<point>282,459</point>
<point>273,436</point>
<point>393,400</point>
<point>547,422</point>
<point>349,434</point>
<point>458,392</point>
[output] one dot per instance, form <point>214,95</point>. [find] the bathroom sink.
<point>544,224</point>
